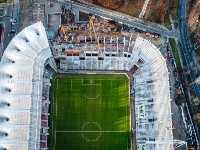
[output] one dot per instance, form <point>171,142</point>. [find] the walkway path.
<point>144,9</point>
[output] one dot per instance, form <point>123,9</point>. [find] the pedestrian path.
<point>144,9</point>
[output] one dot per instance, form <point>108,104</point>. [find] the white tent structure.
<point>21,73</point>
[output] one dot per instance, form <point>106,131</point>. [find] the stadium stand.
<point>21,84</point>
<point>44,113</point>
<point>152,98</point>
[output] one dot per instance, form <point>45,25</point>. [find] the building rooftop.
<point>152,98</point>
<point>21,71</point>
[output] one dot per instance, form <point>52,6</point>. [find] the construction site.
<point>95,36</point>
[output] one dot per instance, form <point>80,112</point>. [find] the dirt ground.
<point>194,25</point>
<point>155,11</point>
<point>132,7</point>
<point>173,8</point>
<point>111,4</point>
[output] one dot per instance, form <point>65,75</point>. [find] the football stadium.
<point>112,103</point>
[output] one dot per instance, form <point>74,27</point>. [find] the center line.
<point>91,131</point>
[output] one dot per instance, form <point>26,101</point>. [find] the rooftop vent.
<point>3,134</point>
<point>3,119</point>
<point>2,104</point>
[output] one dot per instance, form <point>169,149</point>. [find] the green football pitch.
<point>90,112</point>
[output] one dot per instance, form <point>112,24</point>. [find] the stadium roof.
<point>152,98</point>
<point>21,73</point>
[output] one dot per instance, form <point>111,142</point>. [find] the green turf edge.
<point>54,78</point>
<point>50,117</point>
<point>167,21</point>
<point>3,1</point>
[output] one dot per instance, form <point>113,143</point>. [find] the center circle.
<point>91,131</point>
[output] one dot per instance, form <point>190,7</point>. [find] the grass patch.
<point>3,1</point>
<point>175,52</point>
<point>174,4</point>
<point>175,25</point>
<point>91,112</point>
<point>182,54</point>
<point>152,17</point>
<point>167,21</point>
<point>83,16</point>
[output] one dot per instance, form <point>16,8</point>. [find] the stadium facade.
<point>21,73</point>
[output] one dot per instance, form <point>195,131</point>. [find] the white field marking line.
<point>91,139</point>
<point>55,141</point>
<point>111,88</point>
<point>126,105</point>
<point>91,97</point>
<point>98,79</point>
<point>91,84</point>
<point>56,109</point>
<point>126,110</point>
<point>56,98</point>
<point>91,131</point>
<point>71,84</point>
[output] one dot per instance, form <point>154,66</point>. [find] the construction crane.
<point>64,33</point>
<point>92,28</point>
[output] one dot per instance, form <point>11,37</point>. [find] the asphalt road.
<point>125,19</point>
<point>186,45</point>
<point>187,50</point>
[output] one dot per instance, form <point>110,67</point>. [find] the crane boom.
<point>64,33</point>
<point>92,28</point>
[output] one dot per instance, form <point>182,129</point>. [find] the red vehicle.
<point>169,55</point>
